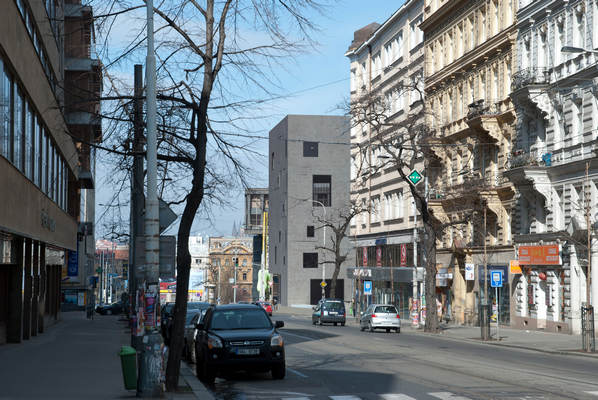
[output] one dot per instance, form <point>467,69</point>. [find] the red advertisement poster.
<point>378,256</point>
<point>403,255</point>
<point>365,256</point>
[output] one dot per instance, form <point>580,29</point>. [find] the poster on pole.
<point>378,256</point>
<point>403,255</point>
<point>364,256</point>
<point>469,272</point>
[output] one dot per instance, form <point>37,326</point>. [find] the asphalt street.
<point>342,363</point>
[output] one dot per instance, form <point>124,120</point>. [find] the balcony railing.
<point>521,158</point>
<point>529,76</point>
<point>482,107</point>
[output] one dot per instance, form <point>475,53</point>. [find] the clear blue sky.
<point>318,68</point>
<point>319,82</point>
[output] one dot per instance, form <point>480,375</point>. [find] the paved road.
<point>342,363</point>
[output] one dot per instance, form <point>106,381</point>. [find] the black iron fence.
<point>587,328</point>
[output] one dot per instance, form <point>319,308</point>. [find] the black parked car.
<point>238,337</point>
<point>329,311</point>
<point>108,309</point>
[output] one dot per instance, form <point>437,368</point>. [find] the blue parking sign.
<point>496,278</point>
<point>367,287</point>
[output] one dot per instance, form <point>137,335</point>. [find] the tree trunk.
<point>337,269</point>
<point>430,280</point>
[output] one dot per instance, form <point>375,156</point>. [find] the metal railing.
<point>482,107</point>
<point>530,76</point>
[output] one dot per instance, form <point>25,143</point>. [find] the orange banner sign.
<point>515,268</point>
<point>539,255</point>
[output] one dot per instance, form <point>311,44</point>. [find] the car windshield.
<point>240,319</point>
<point>189,317</point>
<point>333,305</point>
<point>386,309</point>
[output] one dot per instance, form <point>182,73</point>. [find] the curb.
<point>199,390</point>
<point>514,346</point>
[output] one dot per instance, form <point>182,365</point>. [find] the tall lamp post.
<point>323,284</point>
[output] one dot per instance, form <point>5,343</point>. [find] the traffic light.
<point>236,261</point>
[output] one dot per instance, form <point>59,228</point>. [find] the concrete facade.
<point>292,205</point>
<point>42,171</point>
<point>556,100</point>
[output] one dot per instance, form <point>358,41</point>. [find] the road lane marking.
<point>349,397</point>
<point>295,398</point>
<point>396,396</point>
<point>296,372</point>
<point>447,396</point>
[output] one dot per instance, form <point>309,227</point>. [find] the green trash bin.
<point>128,361</point>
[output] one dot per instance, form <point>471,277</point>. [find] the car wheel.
<point>278,371</point>
<point>335,324</point>
<point>361,327</point>
<point>313,321</point>
<point>320,321</point>
<point>398,330</point>
<point>208,376</point>
<point>109,312</point>
<point>370,327</point>
<point>342,324</point>
<point>387,330</point>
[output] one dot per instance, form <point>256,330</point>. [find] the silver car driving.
<point>380,316</point>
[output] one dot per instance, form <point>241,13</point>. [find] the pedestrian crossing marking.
<point>594,393</point>
<point>447,396</point>
<point>395,396</point>
<point>344,398</point>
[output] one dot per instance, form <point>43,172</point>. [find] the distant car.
<point>380,316</point>
<point>265,305</point>
<point>193,317</point>
<point>109,309</point>
<point>238,337</point>
<point>329,311</point>
<point>166,318</point>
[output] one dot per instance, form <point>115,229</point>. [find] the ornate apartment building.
<point>556,100</point>
<point>386,63</point>
<point>469,62</point>
<point>230,266</point>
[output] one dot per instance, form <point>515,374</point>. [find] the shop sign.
<point>539,255</point>
<point>514,267</point>
<point>367,287</point>
<point>362,272</point>
<point>469,271</point>
<point>73,264</point>
<point>378,256</point>
<point>364,256</point>
<point>403,254</point>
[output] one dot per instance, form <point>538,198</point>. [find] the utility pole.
<point>150,360</point>
<point>235,265</point>
<point>136,220</point>
<point>484,314</point>
<point>588,208</point>
<point>414,299</point>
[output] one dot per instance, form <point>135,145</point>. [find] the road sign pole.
<point>497,313</point>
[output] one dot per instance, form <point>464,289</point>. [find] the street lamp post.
<point>323,284</point>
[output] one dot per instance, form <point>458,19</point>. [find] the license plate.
<point>333,313</point>
<point>248,352</point>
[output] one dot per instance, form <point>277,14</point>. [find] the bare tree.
<point>405,143</point>
<point>338,222</point>
<point>208,75</point>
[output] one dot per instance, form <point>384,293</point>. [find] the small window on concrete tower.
<point>310,231</point>
<point>310,149</point>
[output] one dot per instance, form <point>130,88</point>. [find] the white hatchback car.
<point>380,316</point>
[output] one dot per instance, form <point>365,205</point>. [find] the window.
<point>310,231</point>
<point>18,130</point>
<point>310,260</point>
<point>541,50</point>
<point>375,209</point>
<point>310,149</point>
<point>244,263</point>
<point>353,80</point>
<point>279,236</point>
<point>244,276</point>
<point>415,34</point>
<point>321,187</point>
<point>29,121</point>
<point>558,42</point>
<point>377,64</point>
<point>44,161</point>
<point>5,112</point>
<point>36,151</point>
<point>579,30</point>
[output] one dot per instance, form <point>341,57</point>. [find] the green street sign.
<point>415,177</point>
<point>99,270</point>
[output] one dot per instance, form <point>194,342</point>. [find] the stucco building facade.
<point>230,257</point>
<point>556,100</point>
<point>469,62</point>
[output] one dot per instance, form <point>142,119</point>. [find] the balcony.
<point>489,117</point>
<point>530,76</point>
<point>528,171</point>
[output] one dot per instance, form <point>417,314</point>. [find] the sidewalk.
<point>76,359</point>
<point>548,342</point>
